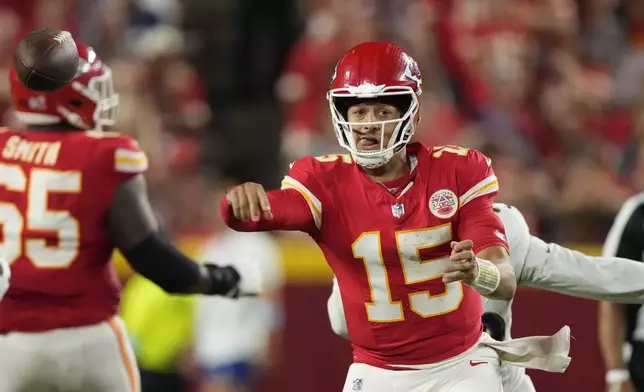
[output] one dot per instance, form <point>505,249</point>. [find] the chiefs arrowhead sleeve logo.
<point>130,161</point>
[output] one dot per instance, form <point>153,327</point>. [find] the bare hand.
<point>463,264</point>
<point>249,202</point>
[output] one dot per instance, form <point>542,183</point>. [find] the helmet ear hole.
<point>76,103</point>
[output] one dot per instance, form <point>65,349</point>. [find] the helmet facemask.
<point>100,90</point>
<point>401,135</point>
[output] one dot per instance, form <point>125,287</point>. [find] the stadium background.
<point>222,91</point>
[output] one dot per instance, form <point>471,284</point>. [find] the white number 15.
<point>382,307</point>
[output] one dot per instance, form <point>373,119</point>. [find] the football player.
<point>621,327</point>
<point>69,194</point>
<point>543,266</point>
<point>380,215</point>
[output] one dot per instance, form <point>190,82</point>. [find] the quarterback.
<point>379,215</point>
<point>544,266</point>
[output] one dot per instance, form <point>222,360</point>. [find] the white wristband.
<point>617,376</point>
<point>487,278</point>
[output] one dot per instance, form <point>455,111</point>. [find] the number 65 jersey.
<point>55,192</point>
<point>388,243</point>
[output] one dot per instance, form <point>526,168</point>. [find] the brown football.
<point>46,59</point>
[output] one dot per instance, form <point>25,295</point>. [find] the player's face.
<point>370,136</point>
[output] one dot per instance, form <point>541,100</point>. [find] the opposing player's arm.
<point>335,310</point>
<point>624,240</point>
<point>478,187</point>
<point>134,230</point>
<point>248,207</point>
<point>555,268</point>
<point>5,277</point>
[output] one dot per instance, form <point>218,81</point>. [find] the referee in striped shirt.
<point>621,327</point>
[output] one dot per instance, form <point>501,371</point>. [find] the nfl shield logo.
<point>398,210</point>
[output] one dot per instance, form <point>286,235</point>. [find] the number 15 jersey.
<point>388,243</point>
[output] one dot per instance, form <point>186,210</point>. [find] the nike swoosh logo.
<point>476,363</point>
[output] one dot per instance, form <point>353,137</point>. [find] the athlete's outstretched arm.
<point>135,232</point>
<point>247,207</point>
<point>555,268</point>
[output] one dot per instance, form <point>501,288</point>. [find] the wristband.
<point>487,278</point>
<point>617,376</point>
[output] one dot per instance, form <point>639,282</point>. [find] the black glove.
<point>225,280</point>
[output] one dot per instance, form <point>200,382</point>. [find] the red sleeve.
<point>290,212</point>
<point>478,188</point>
<point>125,159</point>
<point>295,207</point>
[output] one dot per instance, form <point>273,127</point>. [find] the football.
<point>46,59</point>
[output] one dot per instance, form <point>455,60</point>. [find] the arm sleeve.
<point>125,158</point>
<point>295,207</point>
<point>555,268</point>
<point>518,236</point>
<point>625,236</point>
<point>478,187</point>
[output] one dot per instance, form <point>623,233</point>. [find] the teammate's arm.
<point>624,240</point>
<point>135,232</point>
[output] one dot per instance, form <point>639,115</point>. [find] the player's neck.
<point>397,167</point>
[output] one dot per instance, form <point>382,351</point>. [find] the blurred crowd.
<point>550,89</point>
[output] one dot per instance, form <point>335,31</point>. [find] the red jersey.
<point>55,192</point>
<point>388,244</point>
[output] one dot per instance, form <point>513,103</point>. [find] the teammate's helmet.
<point>381,72</point>
<point>87,102</point>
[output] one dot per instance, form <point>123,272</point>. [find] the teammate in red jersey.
<point>69,194</point>
<point>408,230</point>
